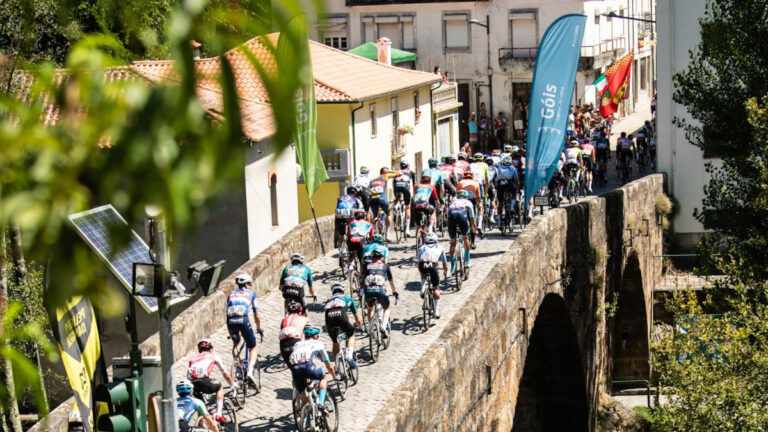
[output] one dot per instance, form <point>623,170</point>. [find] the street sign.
<point>540,200</point>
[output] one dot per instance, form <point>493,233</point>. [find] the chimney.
<point>195,49</point>
<point>385,50</point>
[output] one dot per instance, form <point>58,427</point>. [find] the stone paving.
<point>271,410</point>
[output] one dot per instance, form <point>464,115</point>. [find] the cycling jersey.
<point>480,171</point>
<point>493,170</point>
<point>447,171</point>
<point>341,302</point>
<point>404,179</point>
<point>462,165</point>
<point>359,230</point>
<point>588,151</point>
<point>425,195</point>
<point>307,350</point>
<point>624,144</point>
<point>431,253</point>
<point>572,155</point>
<point>362,180</point>
<point>239,301</point>
<point>379,185</point>
<point>435,176</point>
<point>201,365</point>
<point>346,205</point>
<point>602,143</point>
<point>296,276</point>
<point>368,252</point>
<point>471,186</point>
<point>187,406</point>
<point>376,274</point>
<point>507,177</point>
<point>292,326</point>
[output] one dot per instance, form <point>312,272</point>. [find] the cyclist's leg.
<point>369,303</point>
<point>407,203</point>
<point>333,332</point>
<point>385,303</point>
<point>464,227</point>
<point>250,343</point>
<point>453,235</point>
<point>435,289</point>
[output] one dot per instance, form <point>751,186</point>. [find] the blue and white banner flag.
<point>551,92</point>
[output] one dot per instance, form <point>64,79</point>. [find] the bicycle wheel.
<point>343,256</point>
<point>296,403</point>
<point>257,376</point>
<point>238,375</point>
<point>398,233</point>
<point>307,420</point>
<point>386,340</point>
<point>458,261</point>
<point>230,415</point>
<point>373,339</point>
<point>426,313</point>
<point>329,420</point>
<point>354,373</point>
<point>341,368</point>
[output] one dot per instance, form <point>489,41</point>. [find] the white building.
<point>679,31</point>
<point>441,34</point>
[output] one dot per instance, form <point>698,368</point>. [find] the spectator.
<point>500,125</point>
<point>445,78</point>
<point>437,70</point>
<point>517,119</point>
<point>472,129</point>
<point>484,127</point>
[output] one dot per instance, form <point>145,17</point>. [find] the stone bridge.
<point>549,317</point>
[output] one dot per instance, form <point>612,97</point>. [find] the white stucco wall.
<point>678,29</point>
<point>261,232</point>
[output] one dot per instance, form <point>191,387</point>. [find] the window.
<point>273,198</point>
<point>398,28</point>
<point>395,114</point>
<point>597,20</point>
<point>456,31</point>
<point>333,32</point>
<point>373,120</point>
<point>523,33</point>
<point>416,109</point>
<point>339,42</point>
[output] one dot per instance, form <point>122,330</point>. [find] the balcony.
<point>605,53</point>
<point>519,59</point>
<point>399,145</point>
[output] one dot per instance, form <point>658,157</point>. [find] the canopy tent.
<point>370,51</point>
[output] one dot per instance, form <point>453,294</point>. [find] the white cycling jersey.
<point>307,350</point>
<point>201,365</point>
<point>572,155</point>
<point>362,180</point>
<point>431,253</point>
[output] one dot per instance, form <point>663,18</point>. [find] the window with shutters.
<point>523,31</point>
<point>334,31</point>
<point>398,28</point>
<point>456,32</point>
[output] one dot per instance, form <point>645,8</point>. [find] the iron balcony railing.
<point>517,53</point>
<point>608,45</point>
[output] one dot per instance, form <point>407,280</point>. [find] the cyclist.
<point>496,156</point>
<point>292,329</point>
<point>359,231</point>
<point>493,169</point>
<point>430,254</point>
<point>425,202</point>
<point>345,208</point>
<point>436,177</point>
<point>199,371</point>
<point>448,170</point>
<point>461,217</point>
<point>377,243</point>
<point>625,149</point>
<point>304,368</point>
<point>472,187</point>
<point>379,200</point>
<point>296,276</point>
<point>363,182</point>
<point>404,183</point>
<point>602,148</point>
<point>588,156</point>
<point>376,274</point>
<point>573,160</point>
<point>507,182</point>
<point>238,325</point>
<point>462,164</point>
<point>507,151</point>
<point>337,321</point>
<point>187,406</point>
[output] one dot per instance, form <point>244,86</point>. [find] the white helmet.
<point>243,279</point>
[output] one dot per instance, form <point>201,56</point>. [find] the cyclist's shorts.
<point>427,212</point>
<point>303,372</point>
<point>429,269</point>
<point>492,193</point>
<point>357,248</point>
<point>338,324</point>
<point>458,223</point>
<point>571,166</point>
<point>379,295</point>
<point>341,225</point>
<point>365,197</point>
<point>601,154</point>
<point>183,426</point>
<point>240,326</point>
<point>406,194</point>
<point>286,348</point>
<point>205,386</point>
<point>588,165</point>
<point>293,293</point>
<point>379,203</point>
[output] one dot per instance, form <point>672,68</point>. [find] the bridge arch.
<point>629,337</point>
<point>552,394</point>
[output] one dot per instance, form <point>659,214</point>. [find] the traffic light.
<point>126,412</point>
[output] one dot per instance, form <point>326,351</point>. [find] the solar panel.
<point>93,226</point>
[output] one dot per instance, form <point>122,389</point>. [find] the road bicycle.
<point>599,174</point>
<point>239,373</point>
<point>421,228</point>
<point>379,223</point>
<point>344,256</point>
<point>401,231</point>
<point>311,417</point>
<point>356,283</point>
<point>460,271</point>
<point>228,412</point>
<point>441,221</point>
<point>428,305</point>
<point>348,375</point>
<point>625,170</point>
<point>572,188</point>
<point>376,339</point>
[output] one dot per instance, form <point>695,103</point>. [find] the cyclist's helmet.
<point>426,178</point>
<point>376,254</point>
<point>514,149</point>
<point>430,238</point>
<point>204,345</point>
<point>478,157</point>
<point>378,238</point>
<point>337,288</point>
<point>243,279</point>
<point>383,170</point>
<point>489,160</point>
<point>363,170</point>
<point>295,307</point>
<point>508,148</point>
<point>184,387</point>
<point>462,194</point>
<point>352,190</point>
<point>623,134</point>
<point>630,136</point>
<point>404,165</point>
<point>506,160</point>
<point>468,175</point>
<point>311,330</point>
<point>359,214</point>
<point>74,416</point>
<point>297,257</point>
<point>574,143</point>
<point>442,159</point>
<point>462,155</point>
<point>451,158</point>
<point>432,162</point>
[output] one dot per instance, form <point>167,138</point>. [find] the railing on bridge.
<point>684,271</point>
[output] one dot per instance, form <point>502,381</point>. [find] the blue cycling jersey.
<point>435,175</point>
<point>368,251</point>
<point>348,202</point>
<point>187,406</point>
<point>239,301</point>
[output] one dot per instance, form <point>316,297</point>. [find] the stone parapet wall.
<point>207,314</point>
<point>469,379</point>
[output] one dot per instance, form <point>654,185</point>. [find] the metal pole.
<point>158,238</point>
<point>490,75</point>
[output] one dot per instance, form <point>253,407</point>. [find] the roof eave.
<point>382,95</point>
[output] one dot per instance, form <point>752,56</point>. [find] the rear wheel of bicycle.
<point>329,420</point>
<point>296,403</point>
<point>257,376</point>
<point>341,368</point>
<point>458,261</point>
<point>426,312</point>
<point>386,340</point>
<point>307,422</point>
<point>354,373</point>
<point>343,256</point>
<point>373,340</point>
<point>230,415</point>
<point>398,226</point>
<point>238,375</point>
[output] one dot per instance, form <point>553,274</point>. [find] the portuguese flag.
<point>613,84</point>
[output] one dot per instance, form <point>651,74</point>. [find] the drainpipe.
<point>354,141</point>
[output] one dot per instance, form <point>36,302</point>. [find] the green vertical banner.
<point>307,151</point>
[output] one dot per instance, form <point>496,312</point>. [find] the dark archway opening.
<point>630,328</point>
<point>553,393</point>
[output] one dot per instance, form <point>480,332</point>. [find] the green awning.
<point>370,51</point>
